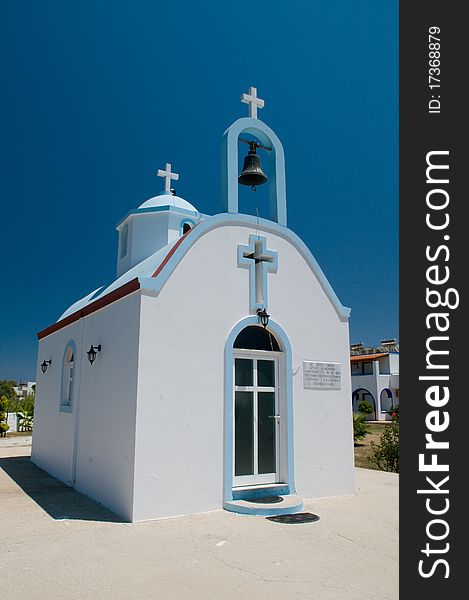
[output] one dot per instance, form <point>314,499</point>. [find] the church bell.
<point>252,174</point>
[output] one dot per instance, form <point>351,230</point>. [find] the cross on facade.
<point>253,101</point>
<point>259,261</point>
<point>168,175</point>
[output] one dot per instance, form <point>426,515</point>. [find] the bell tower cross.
<point>253,101</point>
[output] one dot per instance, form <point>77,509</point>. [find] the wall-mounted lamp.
<point>263,316</point>
<point>44,365</point>
<point>92,352</point>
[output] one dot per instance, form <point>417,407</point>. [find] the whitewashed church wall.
<point>53,434</point>
<point>322,418</point>
<point>179,442</point>
<point>150,233</point>
<point>179,452</point>
<point>324,461</point>
<point>106,422</point>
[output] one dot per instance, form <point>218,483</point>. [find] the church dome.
<point>167,199</point>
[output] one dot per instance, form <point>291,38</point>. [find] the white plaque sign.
<point>321,375</point>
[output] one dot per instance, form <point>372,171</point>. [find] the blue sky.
<point>98,95</point>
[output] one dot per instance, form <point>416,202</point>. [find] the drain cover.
<point>302,517</point>
<point>267,500</point>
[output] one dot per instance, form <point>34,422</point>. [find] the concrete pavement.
<point>58,544</point>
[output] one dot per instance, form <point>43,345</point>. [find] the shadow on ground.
<point>59,500</point>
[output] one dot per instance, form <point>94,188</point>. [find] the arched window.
<point>186,225</point>
<point>124,240</point>
<point>68,370</point>
<point>256,338</point>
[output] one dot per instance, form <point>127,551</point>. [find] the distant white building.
<point>25,388</point>
<point>375,379</point>
<point>167,393</point>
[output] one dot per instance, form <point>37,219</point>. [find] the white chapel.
<point>214,371</point>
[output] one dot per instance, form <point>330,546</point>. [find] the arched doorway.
<point>360,395</point>
<point>386,400</point>
<point>257,416</point>
<point>285,458</point>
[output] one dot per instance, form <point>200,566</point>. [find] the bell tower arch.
<point>275,160</point>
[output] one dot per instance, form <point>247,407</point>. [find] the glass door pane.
<point>266,427</point>
<point>244,372</point>
<point>244,433</point>
<point>266,373</point>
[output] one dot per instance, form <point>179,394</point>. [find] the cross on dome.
<point>253,101</point>
<point>168,175</point>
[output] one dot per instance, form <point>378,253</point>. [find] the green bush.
<point>360,428</point>
<point>4,427</point>
<point>394,413</point>
<point>25,420</point>
<point>365,407</point>
<point>386,454</point>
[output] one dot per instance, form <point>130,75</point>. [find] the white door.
<point>256,418</point>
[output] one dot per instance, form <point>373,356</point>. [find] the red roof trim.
<point>362,357</point>
<point>124,290</point>
<point>121,292</point>
<point>171,252</point>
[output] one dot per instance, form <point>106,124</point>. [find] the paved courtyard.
<point>58,544</point>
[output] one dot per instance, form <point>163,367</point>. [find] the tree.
<point>7,389</point>
<point>360,428</point>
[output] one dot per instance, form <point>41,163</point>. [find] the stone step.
<point>259,491</point>
<point>267,505</point>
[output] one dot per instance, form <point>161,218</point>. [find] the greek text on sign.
<point>321,375</point>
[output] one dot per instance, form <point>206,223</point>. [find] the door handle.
<point>276,417</point>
